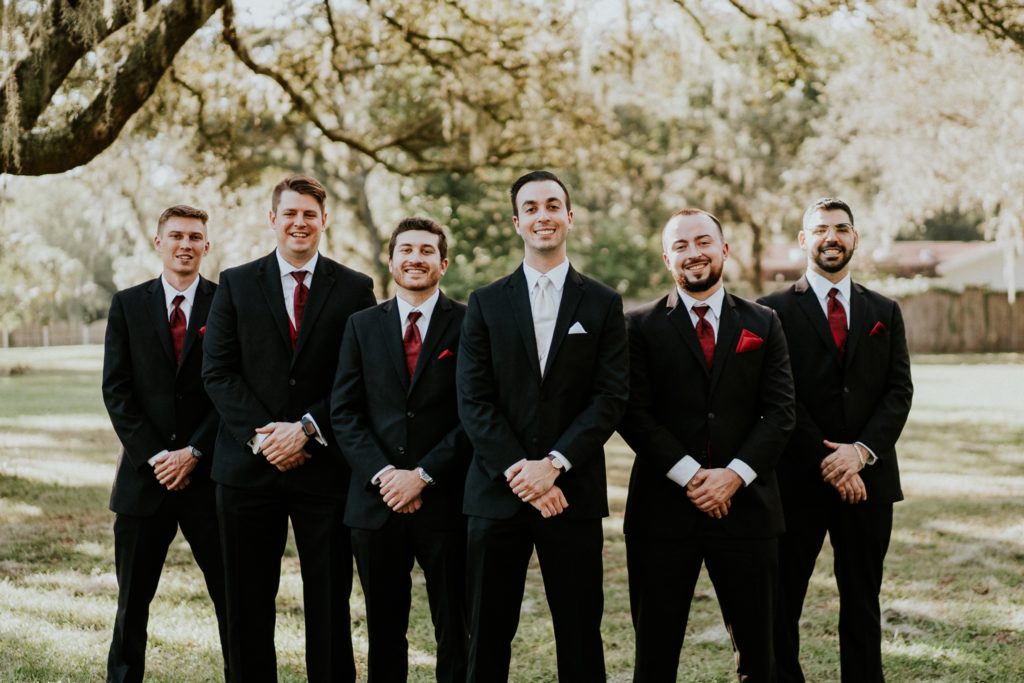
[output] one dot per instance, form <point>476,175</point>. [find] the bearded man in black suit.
<point>154,394</point>
<point>710,409</point>
<point>840,476</point>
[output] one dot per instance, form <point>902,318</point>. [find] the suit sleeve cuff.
<point>376,478</point>
<point>256,443</point>
<point>566,465</point>
<point>871,458</point>
<point>158,457</point>
<point>743,469</point>
<point>319,436</point>
<point>682,472</point>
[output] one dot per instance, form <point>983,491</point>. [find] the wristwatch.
<point>196,453</point>
<point>555,462</point>
<point>308,427</point>
<point>424,476</point>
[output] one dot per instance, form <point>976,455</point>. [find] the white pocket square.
<point>577,328</point>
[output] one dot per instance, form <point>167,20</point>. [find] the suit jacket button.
<point>177,396</point>
<point>401,450</point>
<point>291,381</point>
<point>410,414</point>
<point>846,390</point>
<point>711,416</point>
<point>173,437</point>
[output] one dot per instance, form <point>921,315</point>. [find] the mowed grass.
<point>953,599</point>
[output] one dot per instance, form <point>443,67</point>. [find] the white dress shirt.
<point>682,472</point>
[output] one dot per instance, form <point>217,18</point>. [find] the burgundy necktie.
<point>705,334</point>
<point>299,302</point>
<point>837,320</point>
<point>412,341</point>
<point>178,326</point>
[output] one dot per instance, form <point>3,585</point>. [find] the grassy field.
<point>953,599</point>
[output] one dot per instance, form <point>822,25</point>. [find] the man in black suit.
<point>542,380</point>
<point>166,424</point>
<point>711,406</point>
<point>839,475</point>
<point>270,357</point>
<point>395,414</point>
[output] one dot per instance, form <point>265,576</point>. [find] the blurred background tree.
<point>749,110</point>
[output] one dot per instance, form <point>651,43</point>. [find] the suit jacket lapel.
<point>439,321</point>
<point>270,282</point>
<point>572,293</point>
<point>319,292</point>
<point>200,308</point>
<point>860,321</point>
<point>728,334</point>
<point>158,309</point>
<point>391,328</point>
<point>680,319</point>
<point>519,302</point>
<point>808,301</point>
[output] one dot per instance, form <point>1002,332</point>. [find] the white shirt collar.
<point>426,308</point>
<point>556,275</point>
<point>170,292</point>
<point>715,301</point>
<point>287,268</point>
<point>821,286</point>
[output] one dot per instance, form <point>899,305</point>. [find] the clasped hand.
<point>534,482</point>
<point>401,490</point>
<point>842,470</point>
<point>711,490</point>
<point>285,445</point>
<point>173,469</point>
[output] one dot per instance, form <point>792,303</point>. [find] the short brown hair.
<point>689,211</point>
<point>827,204</point>
<point>424,224</point>
<point>180,211</point>
<point>536,177</point>
<point>303,184</point>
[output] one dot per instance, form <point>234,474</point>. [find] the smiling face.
<point>695,253</point>
<point>543,221</point>
<point>298,223</point>
<point>416,264</point>
<point>181,243</point>
<point>830,240</point>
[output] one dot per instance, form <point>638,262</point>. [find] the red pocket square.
<point>749,342</point>
<point>447,353</point>
<point>879,328</point>
<point>202,331</point>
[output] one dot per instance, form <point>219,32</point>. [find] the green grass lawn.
<point>953,599</point>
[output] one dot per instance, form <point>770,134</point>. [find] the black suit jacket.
<point>864,396</point>
<point>742,407</point>
<point>382,417</point>
<point>254,377</point>
<point>154,402</point>
<point>509,412</point>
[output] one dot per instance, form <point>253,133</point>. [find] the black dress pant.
<point>254,529</point>
<point>662,575</point>
<point>860,539</point>
<point>140,548</point>
<point>569,552</point>
<point>385,559</point>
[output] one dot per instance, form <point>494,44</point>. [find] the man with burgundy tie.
<point>271,353</point>
<point>395,414</point>
<point>542,382</point>
<point>839,475</point>
<point>166,424</point>
<point>711,406</point>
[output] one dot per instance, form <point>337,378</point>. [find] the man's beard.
<point>834,266</point>
<point>703,285</point>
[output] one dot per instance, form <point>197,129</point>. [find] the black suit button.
<point>178,396</point>
<point>846,390</point>
<point>173,437</point>
<point>401,450</point>
<point>410,414</point>
<point>711,416</point>
<point>291,381</point>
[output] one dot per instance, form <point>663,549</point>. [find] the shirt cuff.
<point>513,465</point>
<point>872,458</point>
<point>256,443</point>
<point>682,472</point>
<point>743,469</point>
<point>158,457</point>
<point>319,436</point>
<point>566,465</point>
<point>376,478</point>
